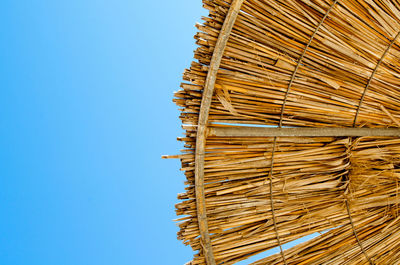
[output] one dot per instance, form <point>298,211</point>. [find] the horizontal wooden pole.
<point>246,131</point>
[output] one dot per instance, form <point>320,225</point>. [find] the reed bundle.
<point>295,63</point>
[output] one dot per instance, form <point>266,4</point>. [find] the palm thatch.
<point>328,66</point>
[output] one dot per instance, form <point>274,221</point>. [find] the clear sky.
<point>86,113</point>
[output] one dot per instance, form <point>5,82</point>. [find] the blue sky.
<point>86,113</point>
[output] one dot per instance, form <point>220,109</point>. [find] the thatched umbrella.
<point>291,116</point>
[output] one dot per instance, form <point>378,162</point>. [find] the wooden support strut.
<point>247,131</point>
<point>202,126</point>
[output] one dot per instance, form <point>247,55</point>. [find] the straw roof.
<point>291,113</point>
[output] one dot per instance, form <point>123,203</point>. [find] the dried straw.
<point>349,72</point>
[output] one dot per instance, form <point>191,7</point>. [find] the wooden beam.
<point>202,128</point>
<point>247,131</point>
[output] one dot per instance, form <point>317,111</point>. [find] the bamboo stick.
<point>300,132</point>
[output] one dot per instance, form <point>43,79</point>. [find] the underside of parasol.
<point>291,114</point>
